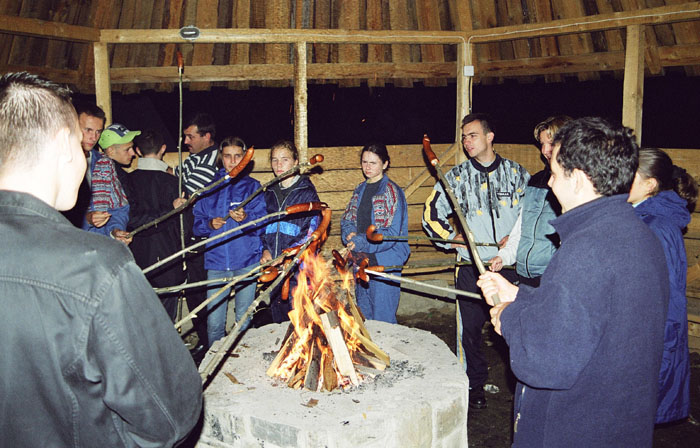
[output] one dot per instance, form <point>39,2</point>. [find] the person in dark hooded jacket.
<point>292,230</point>
<point>664,195</point>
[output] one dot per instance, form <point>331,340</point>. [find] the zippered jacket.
<point>538,239</point>
<point>490,198</point>
<point>241,248</point>
<point>666,215</point>
<point>291,230</point>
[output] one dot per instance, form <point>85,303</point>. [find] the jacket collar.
<point>20,203</point>
<point>486,169</point>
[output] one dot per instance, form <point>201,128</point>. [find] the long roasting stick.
<point>423,284</point>
<point>231,174</point>
<point>296,208</point>
<point>432,158</point>
<point>231,338</point>
<point>299,168</point>
<point>375,237</point>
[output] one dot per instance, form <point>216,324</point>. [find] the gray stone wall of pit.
<point>419,401</point>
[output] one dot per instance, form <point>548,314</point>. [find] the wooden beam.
<point>52,30</point>
<point>462,18</point>
<point>301,119</point>
<point>349,19</point>
<point>650,16</point>
<point>285,36</point>
<point>207,12</point>
<point>264,72</point>
<point>633,90</point>
<point>60,75</point>
<point>102,83</point>
<point>398,19</point>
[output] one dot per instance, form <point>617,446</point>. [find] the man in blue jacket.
<point>586,345</point>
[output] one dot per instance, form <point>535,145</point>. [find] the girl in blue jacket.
<point>239,253</point>
<point>378,201</point>
<point>292,230</point>
<point>664,195</point>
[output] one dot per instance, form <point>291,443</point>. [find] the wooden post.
<point>463,99</point>
<point>633,93</point>
<point>301,130</point>
<point>103,94</point>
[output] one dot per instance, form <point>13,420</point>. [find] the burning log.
<point>329,346</point>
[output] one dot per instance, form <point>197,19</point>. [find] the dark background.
<point>355,116</point>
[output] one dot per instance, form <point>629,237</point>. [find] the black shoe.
<point>477,398</point>
<point>198,353</point>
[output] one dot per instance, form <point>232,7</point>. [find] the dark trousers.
<point>195,296</point>
<point>474,313</point>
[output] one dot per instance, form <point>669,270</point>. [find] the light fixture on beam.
<point>190,33</point>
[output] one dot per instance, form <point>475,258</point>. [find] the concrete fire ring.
<point>419,401</point>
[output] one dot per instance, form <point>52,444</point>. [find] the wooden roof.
<point>523,39</point>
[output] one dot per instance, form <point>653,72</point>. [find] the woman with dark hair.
<point>380,202</point>
<point>292,230</point>
<point>664,195</point>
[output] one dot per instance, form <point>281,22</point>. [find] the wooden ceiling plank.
<point>521,47</point>
<point>207,12</point>
<point>548,44</point>
<point>137,56</point>
<point>579,43</point>
<point>484,15</point>
<point>99,17</point>
<point>240,53</point>
<point>686,33</point>
<point>322,20</point>
<point>349,19</point>
<point>172,21</point>
<point>277,16</point>
<point>428,15</point>
<point>375,53</point>
<point>400,54</point>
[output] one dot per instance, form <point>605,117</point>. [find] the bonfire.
<point>327,345</point>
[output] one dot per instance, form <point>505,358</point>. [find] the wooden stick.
<point>231,174</point>
<point>298,251</point>
<point>426,285</point>
<point>375,237</point>
<point>297,208</point>
<point>458,211</point>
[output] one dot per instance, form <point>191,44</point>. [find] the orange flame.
<point>316,294</point>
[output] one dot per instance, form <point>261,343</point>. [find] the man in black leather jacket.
<point>89,356</point>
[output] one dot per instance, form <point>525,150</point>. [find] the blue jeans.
<point>244,296</point>
<point>379,299</point>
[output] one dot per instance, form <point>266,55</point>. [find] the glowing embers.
<point>327,344</point>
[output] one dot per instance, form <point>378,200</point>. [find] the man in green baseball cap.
<point>109,206</point>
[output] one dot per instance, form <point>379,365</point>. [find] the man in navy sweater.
<point>586,345</point>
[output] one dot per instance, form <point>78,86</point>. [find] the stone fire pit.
<point>419,401</point>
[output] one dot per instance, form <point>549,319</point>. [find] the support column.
<point>633,93</point>
<point>301,125</point>
<point>463,99</point>
<point>102,82</point>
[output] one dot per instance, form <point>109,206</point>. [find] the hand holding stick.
<point>432,158</point>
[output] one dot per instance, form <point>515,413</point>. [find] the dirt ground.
<point>491,427</point>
